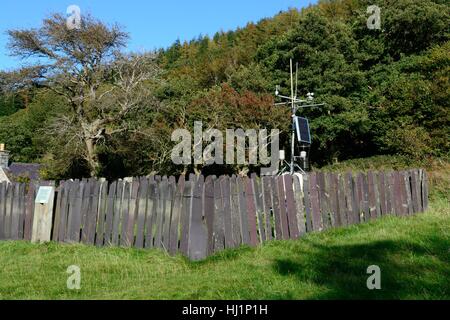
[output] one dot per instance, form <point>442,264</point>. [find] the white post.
<point>43,215</point>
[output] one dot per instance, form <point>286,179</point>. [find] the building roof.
<point>29,170</point>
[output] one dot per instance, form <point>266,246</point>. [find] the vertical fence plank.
<point>398,194</point>
<point>74,218</point>
<point>235,213</point>
<point>404,193</point>
<point>259,207</point>
<point>291,208</point>
<point>152,202</point>
<point>198,235</point>
<point>382,192</point>
<point>29,212</point>
<point>86,200</point>
<point>117,213</point>
<point>57,216</point>
<point>186,217</point>
<point>226,200</point>
<point>2,209</point>
<point>407,182</point>
<point>392,193</point>
<point>267,201</point>
<point>283,212</point>
<point>65,202</point>
<point>300,210</point>
<point>415,191</point>
<point>372,196</point>
<point>101,213</point>
<point>377,196</point>
<point>218,234</point>
<point>315,208</point>
<point>425,191</point>
<point>15,212</point>
<point>387,190</point>
<point>176,215</point>
<point>251,211</point>
<point>359,188</point>
<point>245,234</point>
<point>332,199</point>
<point>276,209</point>
<point>208,209</point>
<point>93,211</point>
<point>348,189</point>
<point>341,201</point>
<point>110,213</point>
<point>307,197</point>
<point>334,203</point>
<point>8,208</point>
<point>355,200</point>
<point>168,201</point>
<point>162,191</point>
<point>323,200</point>
<point>22,202</point>
<point>141,212</point>
<point>124,213</point>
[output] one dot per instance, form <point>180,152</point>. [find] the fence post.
<point>43,214</point>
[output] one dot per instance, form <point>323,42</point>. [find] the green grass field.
<point>413,254</point>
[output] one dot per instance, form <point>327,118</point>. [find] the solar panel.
<point>302,130</point>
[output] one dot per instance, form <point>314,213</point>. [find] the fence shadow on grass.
<point>404,269</point>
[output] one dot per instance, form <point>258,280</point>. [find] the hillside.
<point>387,92</point>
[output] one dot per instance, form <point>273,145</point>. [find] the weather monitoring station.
<point>300,133</point>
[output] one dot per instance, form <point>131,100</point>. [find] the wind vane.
<point>300,126</point>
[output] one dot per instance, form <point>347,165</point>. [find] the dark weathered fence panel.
<point>199,217</point>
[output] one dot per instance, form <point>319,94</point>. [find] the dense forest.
<point>386,91</point>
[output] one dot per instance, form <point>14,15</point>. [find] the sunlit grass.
<point>413,254</point>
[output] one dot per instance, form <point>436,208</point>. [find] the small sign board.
<point>43,195</point>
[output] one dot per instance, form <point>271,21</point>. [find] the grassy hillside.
<point>413,254</point>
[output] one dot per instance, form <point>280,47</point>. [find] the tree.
<point>102,86</point>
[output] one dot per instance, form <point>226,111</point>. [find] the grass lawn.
<point>413,254</point>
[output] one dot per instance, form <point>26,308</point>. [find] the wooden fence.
<point>198,216</point>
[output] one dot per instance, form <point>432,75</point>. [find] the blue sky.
<point>151,24</point>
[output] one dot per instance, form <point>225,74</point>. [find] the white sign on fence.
<point>43,195</point>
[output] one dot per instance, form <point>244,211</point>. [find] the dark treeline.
<point>386,92</point>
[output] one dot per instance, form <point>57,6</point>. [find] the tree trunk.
<point>91,157</point>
